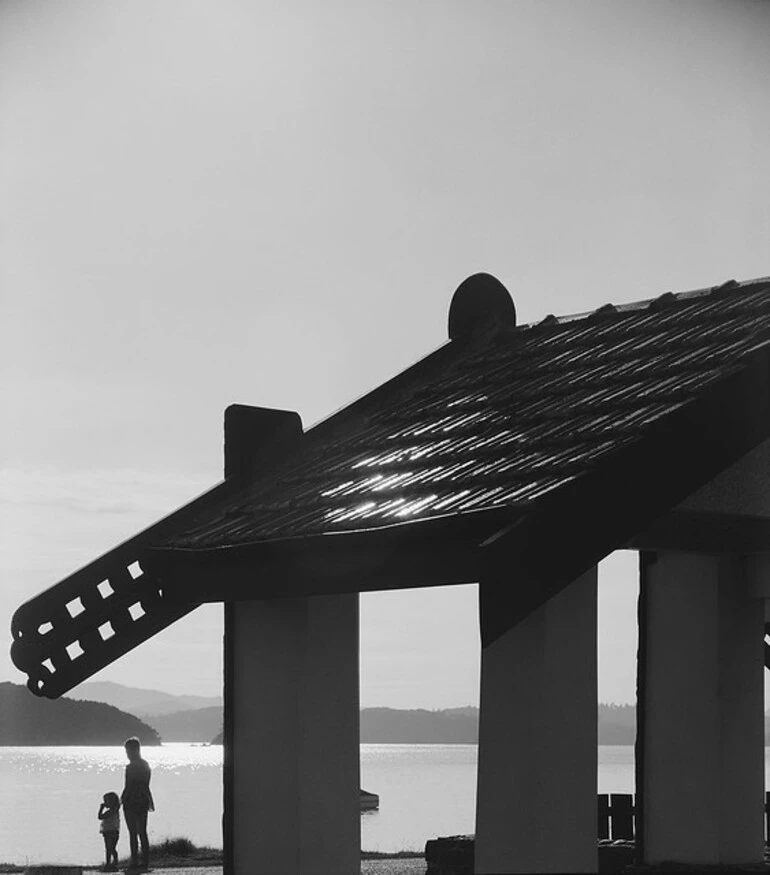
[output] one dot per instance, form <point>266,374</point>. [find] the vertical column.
<point>703,735</point>
<point>536,796</point>
<point>292,721</point>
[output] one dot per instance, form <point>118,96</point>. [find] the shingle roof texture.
<point>495,423</point>
<point>584,429</point>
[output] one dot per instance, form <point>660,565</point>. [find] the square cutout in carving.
<point>105,589</point>
<point>106,631</point>
<point>136,611</point>
<point>74,650</point>
<point>75,607</point>
<point>135,570</point>
<point>44,628</point>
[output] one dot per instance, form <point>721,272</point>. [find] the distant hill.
<point>466,710</point>
<point>144,703</point>
<point>617,725</point>
<point>200,724</point>
<point>26,719</point>
<point>392,726</point>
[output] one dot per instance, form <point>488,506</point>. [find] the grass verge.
<point>392,855</point>
<point>171,853</point>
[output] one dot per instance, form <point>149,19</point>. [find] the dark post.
<point>254,436</point>
<point>622,815</point>
<point>646,558</point>
<point>603,812</point>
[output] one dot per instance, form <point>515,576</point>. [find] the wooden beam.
<point>574,527</point>
<point>524,556</point>
<point>696,531</point>
<point>331,565</point>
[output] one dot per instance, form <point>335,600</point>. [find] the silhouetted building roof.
<point>490,426</point>
<point>513,455</point>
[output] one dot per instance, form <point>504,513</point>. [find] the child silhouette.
<point>109,827</point>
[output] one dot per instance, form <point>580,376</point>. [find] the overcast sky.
<point>272,203</point>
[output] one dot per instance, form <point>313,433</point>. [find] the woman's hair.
<point>112,800</point>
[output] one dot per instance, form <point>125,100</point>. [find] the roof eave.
<point>429,552</point>
<point>521,559</point>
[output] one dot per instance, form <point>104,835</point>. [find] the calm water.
<point>49,795</point>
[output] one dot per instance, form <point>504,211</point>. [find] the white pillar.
<point>293,722</point>
<point>536,797</point>
<point>703,745</point>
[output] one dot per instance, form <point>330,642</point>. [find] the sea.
<point>49,796</point>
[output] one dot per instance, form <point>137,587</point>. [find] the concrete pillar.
<point>702,711</point>
<point>536,796</point>
<point>292,722</point>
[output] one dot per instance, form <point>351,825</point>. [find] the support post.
<point>703,773</point>
<point>292,722</point>
<point>536,795</point>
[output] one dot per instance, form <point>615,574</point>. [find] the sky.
<point>272,203</point>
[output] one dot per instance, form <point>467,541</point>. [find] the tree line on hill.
<point>28,720</point>
<point>616,725</point>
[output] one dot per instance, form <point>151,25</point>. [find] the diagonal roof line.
<point>467,456</point>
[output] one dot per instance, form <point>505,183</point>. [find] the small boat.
<point>369,801</point>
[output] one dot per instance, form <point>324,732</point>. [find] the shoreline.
<point>211,861</point>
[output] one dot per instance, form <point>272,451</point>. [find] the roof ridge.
<point>610,309</point>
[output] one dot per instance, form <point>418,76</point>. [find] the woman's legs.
<point>136,821</point>
<point>142,831</point>
<point>133,839</point>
